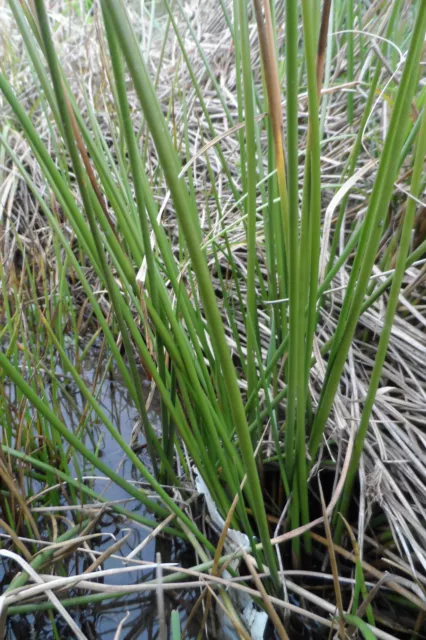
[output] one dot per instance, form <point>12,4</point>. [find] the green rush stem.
<point>251,316</point>
<point>48,414</point>
<point>171,168</point>
<point>350,58</point>
<point>353,159</point>
<point>387,323</point>
<point>137,169</point>
<point>22,579</point>
<point>293,244</point>
<point>91,203</point>
<point>313,179</point>
<point>376,212</point>
<point>85,489</point>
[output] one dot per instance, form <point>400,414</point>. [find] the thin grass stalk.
<point>298,346</point>
<point>53,475</point>
<point>293,209</point>
<point>267,46</point>
<point>270,415</point>
<point>207,65</point>
<point>288,262</point>
<point>328,16</point>
<point>271,242</point>
<point>189,439</point>
<point>310,246</point>
<point>91,203</point>
<point>322,46</point>
<point>18,14</point>
<point>388,320</point>
<point>240,101</point>
<point>179,193</point>
<point>151,369</point>
<point>136,168</point>
<point>228,305</point>
<point>352,161</point>
<point>251,316</point>
<point>379,201</point>
<point>304,268</point>
<point>333,564</point>
<point>199,91</point>
<point>350,56</point>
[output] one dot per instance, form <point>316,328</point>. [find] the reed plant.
<point>190,306</point>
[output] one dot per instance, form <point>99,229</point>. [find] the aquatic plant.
<point>231,310</point>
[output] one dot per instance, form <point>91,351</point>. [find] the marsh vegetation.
<point>212,328</point>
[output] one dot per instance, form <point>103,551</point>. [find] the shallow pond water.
<point>102,619</point>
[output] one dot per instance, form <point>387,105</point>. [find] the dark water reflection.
<point>100,620</point>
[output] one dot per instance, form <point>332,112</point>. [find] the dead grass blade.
<point>333,563</point>
<point>402,591</point>
<point>279,627</point>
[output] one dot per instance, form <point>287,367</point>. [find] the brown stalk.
<point>266,40</point>
<point>215,568</point>
<point>322,44</point>
<point>242,633</point>
<point>79,142</point>
<point>362,609</point>
<point>367,601</point>
<point>16,540</point>
<point>87,164</point>
<point>116,546</point>
<point>266,599</point>
<point>402,591</point>
<point>193,612</point>
<point>11,485</point>
<point>333,564</point>
<point>267,47</point>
